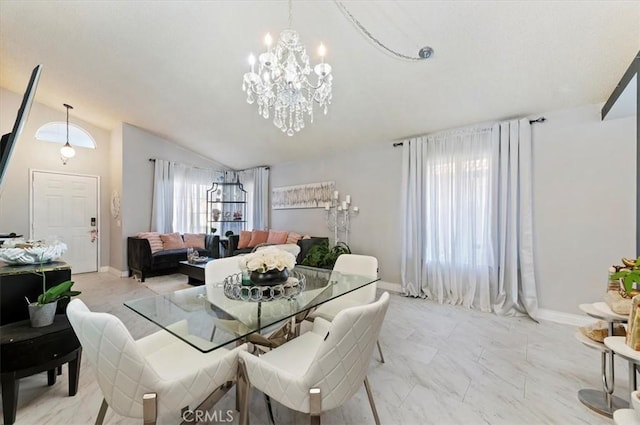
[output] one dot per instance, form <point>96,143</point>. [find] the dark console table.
<point>17,282</point>
<point>24,350</point>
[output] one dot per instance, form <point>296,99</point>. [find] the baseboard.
<point>103,269</point>
<point>388,286</point>
<point>116,272</point>
<point>564,318</point>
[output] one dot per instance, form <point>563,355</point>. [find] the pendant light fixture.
<point>67,151</point>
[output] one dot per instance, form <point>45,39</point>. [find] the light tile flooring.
<point>444,365</point>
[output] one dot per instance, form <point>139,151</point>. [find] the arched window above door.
<point>56,132</point>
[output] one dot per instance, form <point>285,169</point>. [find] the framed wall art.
<point>311,195</point>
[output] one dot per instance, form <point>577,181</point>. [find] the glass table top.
<point>206,319</point>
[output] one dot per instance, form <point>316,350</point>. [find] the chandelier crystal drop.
<point>282,84</point>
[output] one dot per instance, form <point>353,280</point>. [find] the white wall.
<point>117,238</point>
<point>584,194</point>
<point>372,177</point>
<point>138,146</point>
<point>30,153</point>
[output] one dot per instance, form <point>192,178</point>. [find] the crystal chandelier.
<point>282,83</point>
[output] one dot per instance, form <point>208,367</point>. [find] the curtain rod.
<point>537,120</point>
<point>201,168</point>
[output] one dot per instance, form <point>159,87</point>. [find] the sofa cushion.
<point>194,240</point>
<point>258,237</point>
<point>245,238</point>
<point>277,238</point>
<point>172,241</point>
<point>154,240</point>
<point>293,237</point>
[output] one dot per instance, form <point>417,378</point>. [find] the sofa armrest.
<point>233,245</point>
<point>138,254</point>
<point>212,244</point>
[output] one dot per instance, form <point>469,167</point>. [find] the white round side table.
<point>603,402</point>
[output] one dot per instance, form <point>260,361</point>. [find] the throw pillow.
<point>277,238</point>
<point>293,237</point>
<point>245,238</point>
<point>258,237</point>
<point>172,241</point>
<point>154,240</point>
<point>194,240</point>
<point>306,237</point>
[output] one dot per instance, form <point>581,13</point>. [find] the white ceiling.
<point>175,67</point>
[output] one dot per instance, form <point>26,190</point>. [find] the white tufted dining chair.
<point>155,377</point>
<point>363,265</point>
<point>321,369</point>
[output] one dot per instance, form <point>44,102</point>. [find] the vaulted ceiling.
<point>175,67</point>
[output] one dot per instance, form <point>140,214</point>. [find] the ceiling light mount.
<point>67,151</point>
<point>425,52</point>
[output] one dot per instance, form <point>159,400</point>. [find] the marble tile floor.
<point>445,365</point>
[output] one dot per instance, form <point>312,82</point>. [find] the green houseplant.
<point>321,255</point>
<point>629,275</point>
<point>43,311</point>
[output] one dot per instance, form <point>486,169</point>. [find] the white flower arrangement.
<point>268,259</point>
<point>20,251</point>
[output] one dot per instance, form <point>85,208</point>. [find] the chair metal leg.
<point>380,351</point>
<point>213,332</point>
<point>315,406</point>
<point>149,408</point>
<point>102,412</point>
<point>376,418</point>
<point>242,394</point>
<point>267,399</point>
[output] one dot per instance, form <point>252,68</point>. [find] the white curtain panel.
<point>256,182</point>
<point>517,293</point>
<point>260,205</point>
<point>447,240</point>
<point>461,244</point>
<point>190,186</point>
<point>162,203</point>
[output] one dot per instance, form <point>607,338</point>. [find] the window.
<point>190,187</point>
<point>458,202</point>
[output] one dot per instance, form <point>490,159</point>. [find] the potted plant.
<point>629,275</point>
<point>43,311</point>
<point>321,255</point>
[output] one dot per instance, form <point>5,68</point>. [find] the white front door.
<point>65,206</point>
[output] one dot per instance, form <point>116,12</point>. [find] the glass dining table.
<point>214,320</point>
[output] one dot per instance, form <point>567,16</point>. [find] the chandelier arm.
<point>371,37</point>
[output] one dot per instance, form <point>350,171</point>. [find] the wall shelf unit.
<point>226,208</point>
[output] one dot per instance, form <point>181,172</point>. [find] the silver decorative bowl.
<point>235,290</point>
<point>19,251</point>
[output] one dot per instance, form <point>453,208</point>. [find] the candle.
<point>335,194</point>
<point>356,209</point>
<point>348,198</point>
<point>326,206</point>
<point>344,205</point>
<point>252,61</point>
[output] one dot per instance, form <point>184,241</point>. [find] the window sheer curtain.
<point>190,198</point>
<point>467,233</point>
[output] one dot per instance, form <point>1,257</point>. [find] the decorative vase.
<point>270,277</point>
<point>42,315</point>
